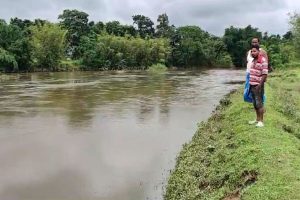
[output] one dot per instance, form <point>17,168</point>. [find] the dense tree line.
<point>295,33</point>
<point>281,49</point>
<point>87,45</point>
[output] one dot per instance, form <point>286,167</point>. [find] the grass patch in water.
<point>157,68</point>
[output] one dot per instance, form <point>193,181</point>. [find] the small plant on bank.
<point>157,68</point>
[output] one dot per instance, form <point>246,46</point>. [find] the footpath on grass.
<point>229,159</point>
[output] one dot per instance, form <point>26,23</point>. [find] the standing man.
<point>255,41</point>
<point>247,92</point>
<point>258,70</point>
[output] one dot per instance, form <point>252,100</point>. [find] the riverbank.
<point>74,66</point>
<point>229,159</point>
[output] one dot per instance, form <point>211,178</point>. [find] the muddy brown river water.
<point>100,135</point>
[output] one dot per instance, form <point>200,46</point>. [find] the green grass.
<point>293,64</point>
<point>157,68</point>
<point>69,65</point>
<point>229,159</point>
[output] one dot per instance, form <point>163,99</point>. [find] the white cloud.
<point>211,15</point>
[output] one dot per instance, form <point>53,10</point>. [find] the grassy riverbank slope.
<point>229,159</point>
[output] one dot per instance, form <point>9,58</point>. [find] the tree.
<point>76,22</point>
<point>238,41</point>
<point>280,50</point>
<point>163,29</point>
<point>115,52</point>
<point>288,35</point>
<point>98,27</point>
<point>295,23</point>
<point>130,30</point>
<point>115,28</point>
<point>189,52</point>
<point>48,45</point>
<point>15,41</point>
<point>21,23</point>
<point>8,62</point>
<point>21,49</point>
<point>191,46</point>
<point>144,24</point>
<point>39,22</point>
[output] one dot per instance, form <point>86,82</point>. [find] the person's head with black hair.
<point>255,41</point>
<point>255,50</point>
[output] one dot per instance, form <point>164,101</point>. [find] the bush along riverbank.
<point>229,159</point>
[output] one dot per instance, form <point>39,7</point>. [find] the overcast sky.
<point>211,15</point>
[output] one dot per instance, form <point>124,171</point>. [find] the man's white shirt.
<point>249,61</point>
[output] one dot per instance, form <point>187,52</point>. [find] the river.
<point>100,135</point>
